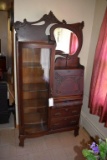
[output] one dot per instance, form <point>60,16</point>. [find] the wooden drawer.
<point>57,123</point>
<point>66,111</point>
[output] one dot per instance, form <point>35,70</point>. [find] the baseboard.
<point>90,127</point>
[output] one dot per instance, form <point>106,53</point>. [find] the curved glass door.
<point>34,69</point>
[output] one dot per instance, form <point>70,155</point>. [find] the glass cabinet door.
<point>34,80</point>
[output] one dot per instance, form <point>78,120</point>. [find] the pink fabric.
<point>98,88</point>
<point>73,44</point>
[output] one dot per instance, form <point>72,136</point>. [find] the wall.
<point>3,32</point>
<point>71,10</point>
<point>9,46</point>
<point>5,36</point>
<point>91,122</point>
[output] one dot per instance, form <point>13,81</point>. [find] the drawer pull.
<point>74,112</point>
<point>57,114</point>
<point>73,122</point>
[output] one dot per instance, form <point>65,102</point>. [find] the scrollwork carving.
<point>68,84</point>
<point>33,31</point>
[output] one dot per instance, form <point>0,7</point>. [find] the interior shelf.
<point>35,87</point>
<point>34,109</point>
<point>35,128</point>
<point>31,64</point>
<point>35,118</point>
<point>35,102</point>
<point>34,95</point>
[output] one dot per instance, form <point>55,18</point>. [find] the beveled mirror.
<point>68,38</point>
<point>66,41</point>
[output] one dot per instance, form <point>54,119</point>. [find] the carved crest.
<point>34,30</point>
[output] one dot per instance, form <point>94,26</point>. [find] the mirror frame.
<point>76,28</point>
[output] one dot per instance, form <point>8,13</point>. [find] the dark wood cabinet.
<point>44,72</point>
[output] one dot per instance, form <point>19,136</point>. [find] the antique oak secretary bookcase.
<point>49,76</point>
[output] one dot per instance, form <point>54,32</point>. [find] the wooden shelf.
<point>34,102</point>
<point>34,95</point>
<point>31,64</point>
<point>35,118</point>
<point>33,109</point>
<point>32,129</point>
<point>35,87</point>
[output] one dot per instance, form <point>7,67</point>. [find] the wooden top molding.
<point>35,31</point>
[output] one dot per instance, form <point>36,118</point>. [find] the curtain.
<point>98,87</point>
<point>73,43</point>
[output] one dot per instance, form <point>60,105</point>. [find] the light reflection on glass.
<point>66,40</point>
